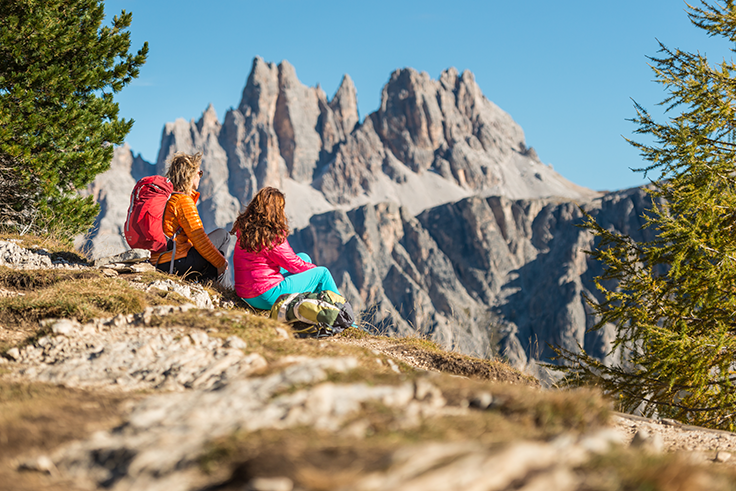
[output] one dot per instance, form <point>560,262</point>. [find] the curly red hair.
<point>263,224</point>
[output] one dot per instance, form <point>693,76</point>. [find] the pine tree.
<point>673,299</point>
<point>59,71</point>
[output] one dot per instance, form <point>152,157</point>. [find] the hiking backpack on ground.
<point>318,314</point>
<point>144,222</point>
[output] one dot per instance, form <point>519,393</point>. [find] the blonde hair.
<point>182,169</point>
<point>263,224</point>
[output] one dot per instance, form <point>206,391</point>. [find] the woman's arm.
<point>284,256</point>
<point>190,222</point>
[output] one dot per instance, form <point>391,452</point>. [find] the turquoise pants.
<point>312,280</point>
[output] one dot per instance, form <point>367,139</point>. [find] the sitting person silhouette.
<point>264,263</point>
<point>197,255</point>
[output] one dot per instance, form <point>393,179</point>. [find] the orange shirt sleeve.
<point>191,224</point>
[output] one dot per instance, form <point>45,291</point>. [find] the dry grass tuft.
<point>25,280</point>
<point>428,355</point>
<point>82,299</point>
<point>81,295</point>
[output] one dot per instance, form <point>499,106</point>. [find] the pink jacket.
<point>257,272</point>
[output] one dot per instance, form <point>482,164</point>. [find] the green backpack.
<point>316,315</point>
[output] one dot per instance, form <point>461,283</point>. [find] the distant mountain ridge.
<point>387,202</point>
<point>430,142</point>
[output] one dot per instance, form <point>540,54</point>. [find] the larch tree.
<point>59,72</point>
<point>673,299</point>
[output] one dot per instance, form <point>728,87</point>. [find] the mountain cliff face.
<point>433,213</point>
<point>477,273</point>
<point>430,142</point>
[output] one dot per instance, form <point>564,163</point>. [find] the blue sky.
<point>566,71</point>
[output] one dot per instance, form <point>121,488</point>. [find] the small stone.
<point>158,285</point>
<point>142,268</point>
<point>282,333</point>
<point>109,272</point>
<point>14,353</point>
<point>428,393</point>
<point>253,362</point>
<point>722,456</point>
<point>235,342</point>
<point>270,484</point>
<point>645,440</point>
<point>199,338</point>
<point>119,320</point>
<point>146,316</point>
<point>44,341</point>
<point>39,464</point>
<point>127,257</point>
<point>481,400</point>
<point>64,327</point>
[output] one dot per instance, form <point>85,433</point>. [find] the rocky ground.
<point>194,393</point>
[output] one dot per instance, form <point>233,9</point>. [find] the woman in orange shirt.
<point>197,254</point>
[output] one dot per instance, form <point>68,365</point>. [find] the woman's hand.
<point>221,270</point>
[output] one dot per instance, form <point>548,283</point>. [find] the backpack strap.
<point>173,251</point>
<point>172,238</point>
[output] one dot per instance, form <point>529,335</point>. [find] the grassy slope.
<point>38,417</point>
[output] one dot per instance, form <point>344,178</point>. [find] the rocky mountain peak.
<point>345,104</point>
<point>411,121</point>
<point>448,78</point>
<point>261,89</point>
<point>287,76</point>
<point>430,142</point>
<point>295,122</point>
<point>209,122</point>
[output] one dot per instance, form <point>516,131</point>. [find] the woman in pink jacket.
<point>265,265</point>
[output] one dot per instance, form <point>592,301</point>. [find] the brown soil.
<point>321,462</point>
<point>36,418</point>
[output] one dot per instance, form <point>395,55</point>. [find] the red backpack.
<point>144,223</point>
